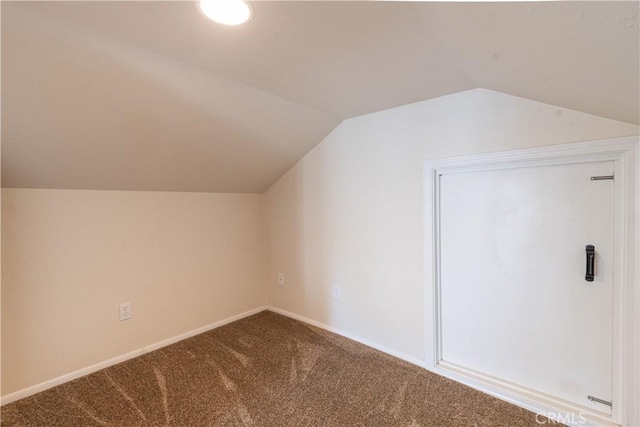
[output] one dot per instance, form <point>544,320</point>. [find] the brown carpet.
<point>265,370</point>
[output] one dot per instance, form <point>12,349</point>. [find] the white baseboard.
<point>532,403</point>
<point>20,394</point>
<point>382,348</point>
<point>497,390</point>
<point>538,403</point>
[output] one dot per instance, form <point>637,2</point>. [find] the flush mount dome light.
<point>227,12</point>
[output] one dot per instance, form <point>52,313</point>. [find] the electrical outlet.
<point>336,292</point>
<point>280,279</point>
<point>125,311</point>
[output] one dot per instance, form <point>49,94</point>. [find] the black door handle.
<point>591,260</point>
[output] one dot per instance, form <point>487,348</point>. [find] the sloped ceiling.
<point>154,96</point>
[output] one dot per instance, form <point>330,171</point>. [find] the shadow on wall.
<point>185,115</point>
<point>299,244</point>
<point>332,225</point>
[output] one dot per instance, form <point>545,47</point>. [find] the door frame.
<point>625,154</point>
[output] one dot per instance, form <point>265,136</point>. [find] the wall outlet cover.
<point>125,311</point>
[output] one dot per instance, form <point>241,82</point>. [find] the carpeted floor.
<point>265,370</point>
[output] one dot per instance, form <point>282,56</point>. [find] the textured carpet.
<point>265,370</point>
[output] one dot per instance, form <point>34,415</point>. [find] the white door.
<point>515,302</point>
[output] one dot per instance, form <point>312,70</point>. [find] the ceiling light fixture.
<point>227,12</point>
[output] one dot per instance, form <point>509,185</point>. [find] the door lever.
<point>591,260</point>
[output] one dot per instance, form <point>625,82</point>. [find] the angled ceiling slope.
<point>154,96</point>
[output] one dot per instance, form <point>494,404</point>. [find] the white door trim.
<point>626,353</point>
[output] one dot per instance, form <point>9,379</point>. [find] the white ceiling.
<point>154,96</point>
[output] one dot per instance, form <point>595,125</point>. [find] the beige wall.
<point>69,258</point>
<point>351,214</point>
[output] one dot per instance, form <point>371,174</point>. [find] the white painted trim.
<point>122,358</point>
<point>626,370</point>
<point>382,348</point>
<point>130,355</point>
<point>536,402</point>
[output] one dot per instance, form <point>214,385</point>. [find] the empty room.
<point>320,213</point>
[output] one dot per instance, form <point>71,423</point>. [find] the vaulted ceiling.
<point>154,96</point>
